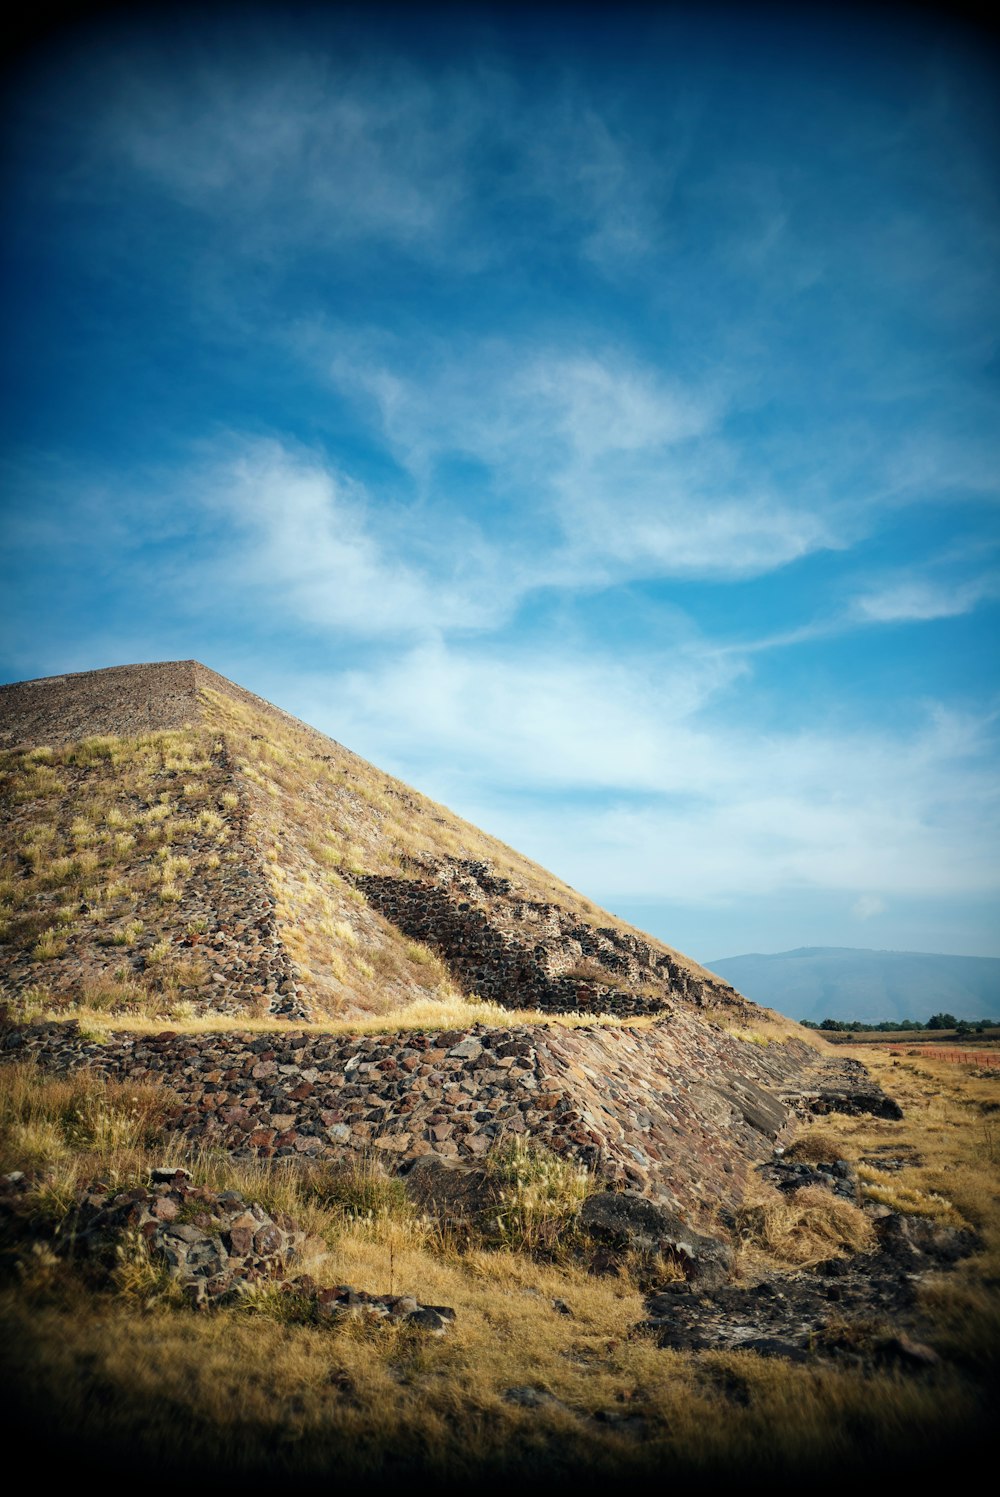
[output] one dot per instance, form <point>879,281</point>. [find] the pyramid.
<point>166,795</point>
<point>177,849</point>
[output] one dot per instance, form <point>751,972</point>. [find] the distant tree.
<point>833,1024</point>
<point>942,1021</point>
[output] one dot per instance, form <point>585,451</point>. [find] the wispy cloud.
<point>634,468</point>
<point>313,153</point>
<point>312,541</point>
<point>661,791</point>
<point>915,598</point>
<point>292,155</point>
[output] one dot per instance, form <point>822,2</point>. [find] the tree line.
<point>896,1026</point>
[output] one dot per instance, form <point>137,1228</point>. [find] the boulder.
<point>451,1190</point>
<point>630,1222</point>
<point>918,1241</point>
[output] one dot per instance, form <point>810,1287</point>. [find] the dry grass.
<point>75,1124</point>
<point>820,1145</point>
<point>107,861</point>
<point>123,1005</point>
<point>948,1133</point>
<point>801,1228</point>
<point>885,1189</point>
<point>769,1028</point>
<point>539,1198</point>
<point>949,1117</point>
<point>257,1390</point>
<point>248,1394</point>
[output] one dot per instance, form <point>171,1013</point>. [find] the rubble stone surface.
<point>652,1110</point>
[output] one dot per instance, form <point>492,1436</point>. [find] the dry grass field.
<point>125,1375</point>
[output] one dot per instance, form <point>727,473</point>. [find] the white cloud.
<point>608,405</point>
<point>916,598</point>
<point>309,539</point>
<point>867,906</point>
<point>634,469</point>
<point>530,718</point>
<point>629,777</point>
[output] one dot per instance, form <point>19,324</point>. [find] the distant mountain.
<point>841,982</point>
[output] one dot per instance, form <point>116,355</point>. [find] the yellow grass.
<point>257,1390</point>
<point>446,1013</point>
<point>800,1228</point>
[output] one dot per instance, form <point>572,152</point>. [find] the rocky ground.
<point>215,1247</point>
<point>861,1311</point>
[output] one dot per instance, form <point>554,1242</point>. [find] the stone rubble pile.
<point>862,1311</point>
<point>343,1303</point>
<point>836,1176</point>
<point>222,1249</point>
<point>216,1244</point>
<point>842,1085</point>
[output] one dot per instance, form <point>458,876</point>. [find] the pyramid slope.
<point>681,1111</point>
<point>176,847</point>
<point>123,700</point>
<point>171,836</point>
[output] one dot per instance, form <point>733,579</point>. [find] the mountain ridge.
<point>854,950</point>
<point>866,985</point>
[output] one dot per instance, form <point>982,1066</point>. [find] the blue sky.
<point>589,416</point>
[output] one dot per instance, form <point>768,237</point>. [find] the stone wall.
<point>681,1111</point>
<point>524,953</point>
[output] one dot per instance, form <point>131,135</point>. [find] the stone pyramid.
<point>325,887</point>
<point>175,848</point>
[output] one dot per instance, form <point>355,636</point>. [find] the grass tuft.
<point>802,1228</point>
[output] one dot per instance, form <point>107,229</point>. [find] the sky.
<point>587,415</point>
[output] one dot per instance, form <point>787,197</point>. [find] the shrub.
<point>540,1195</point>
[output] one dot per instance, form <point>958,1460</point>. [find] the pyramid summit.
<point>121,700</point>
<point>176,849</point>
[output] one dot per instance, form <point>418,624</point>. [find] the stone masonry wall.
<point>523,953</point>
<point>681,1111</point>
